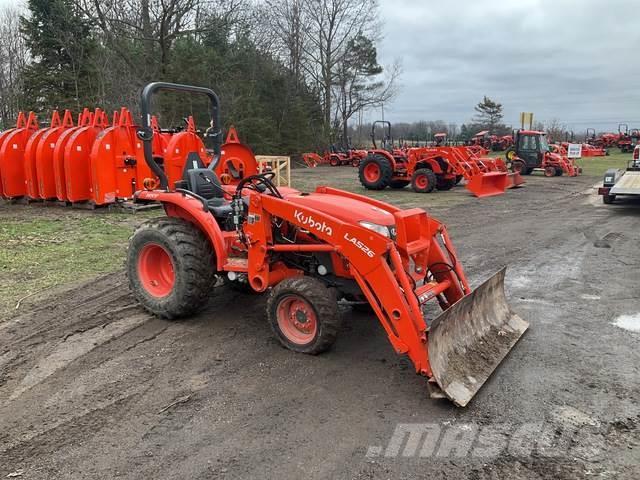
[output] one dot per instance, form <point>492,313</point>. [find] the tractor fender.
<point>191,209</point>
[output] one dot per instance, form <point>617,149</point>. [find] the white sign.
<point>574,150</point>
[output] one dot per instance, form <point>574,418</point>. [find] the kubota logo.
<point>312,224</point>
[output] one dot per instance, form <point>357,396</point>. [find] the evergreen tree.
<point>61,45</point>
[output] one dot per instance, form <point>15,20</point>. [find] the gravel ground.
<point>92,387</point>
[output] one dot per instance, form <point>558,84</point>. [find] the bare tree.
<point>13,59</point>
<point>286,23</point>
<point>330,26</point>
<point>155,25</point>
<point>556,130</point>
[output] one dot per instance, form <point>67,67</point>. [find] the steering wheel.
<point>261,183</point>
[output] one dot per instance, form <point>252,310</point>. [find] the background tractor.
<point>387,166</point>
<point>307,251</point>
<point>531,151</point>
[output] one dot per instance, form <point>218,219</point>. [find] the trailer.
<point>622,183</point>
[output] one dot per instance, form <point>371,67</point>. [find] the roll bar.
<point>146,132</point>
<point>373,133</point>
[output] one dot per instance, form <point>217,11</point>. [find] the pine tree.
<point>489,114</point>
<point>61,45</point>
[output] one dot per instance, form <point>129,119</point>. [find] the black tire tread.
<point>433,180</point>
<point>193,260</point>
<point>386,172</point>
<point>323,300</point>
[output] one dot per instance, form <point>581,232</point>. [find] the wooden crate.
<point>281,166</point>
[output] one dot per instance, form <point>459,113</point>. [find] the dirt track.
<point>91,387</point>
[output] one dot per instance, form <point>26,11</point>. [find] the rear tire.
<point>375,172</point>
<point>558,172</point>
<point>303,314</point>
<point>423,180</point>
<point>608,199</point>
<point>334,161</point>
<point>550,172</point>
<point>170,267</point>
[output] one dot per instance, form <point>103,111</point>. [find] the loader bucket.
<point>470,339</point>
<point>515,180</point>
<point>488,184</point>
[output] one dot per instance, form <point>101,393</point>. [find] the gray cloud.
<point>572,60</point>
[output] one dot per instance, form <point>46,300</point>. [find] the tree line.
<point>291,74</point>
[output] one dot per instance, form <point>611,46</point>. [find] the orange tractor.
<point>531,152</point>
<point>387,166</point>
<point>336,156</point>
<point>430,168</point>
<point>310,250</point>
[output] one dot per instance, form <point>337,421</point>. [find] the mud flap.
<point>488,184</point>
<point>470,339</point>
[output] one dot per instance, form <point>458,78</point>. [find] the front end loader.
<point>308,251</point>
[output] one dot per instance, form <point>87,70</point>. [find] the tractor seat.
<point>219,207</point>
<point>205,183</point>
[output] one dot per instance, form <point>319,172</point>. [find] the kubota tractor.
<point>310,250</point>
<point>386,166</point>
<point>531,151</point>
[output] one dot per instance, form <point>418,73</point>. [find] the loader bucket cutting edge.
<point>468,341</point>
<point>488,184</point>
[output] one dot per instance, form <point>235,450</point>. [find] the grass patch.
<point>596,166</point>
<point>44,248</point>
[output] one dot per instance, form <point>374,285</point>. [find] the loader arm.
<point>397,277</point>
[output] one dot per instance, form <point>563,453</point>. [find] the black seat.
<point>205,183</point>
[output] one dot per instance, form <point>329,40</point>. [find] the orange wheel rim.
<point>156,271</point>
<point>297,320</point>
<point>372,172</point>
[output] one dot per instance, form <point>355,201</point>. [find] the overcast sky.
<point>575,60</point>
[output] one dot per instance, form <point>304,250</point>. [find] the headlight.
<point>381,229</point>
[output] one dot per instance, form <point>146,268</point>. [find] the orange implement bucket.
<point>77,159</point>
<point>488,184</point>
<point>12,159</point>
<point>30,170</point>
<point>44,158</point>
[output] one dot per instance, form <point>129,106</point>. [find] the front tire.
<point>303,314</point>
<point>608,199</point>
<point>423,180</point>
<point>170,267</point>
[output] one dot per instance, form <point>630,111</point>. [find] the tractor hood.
<point>343,208</point>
